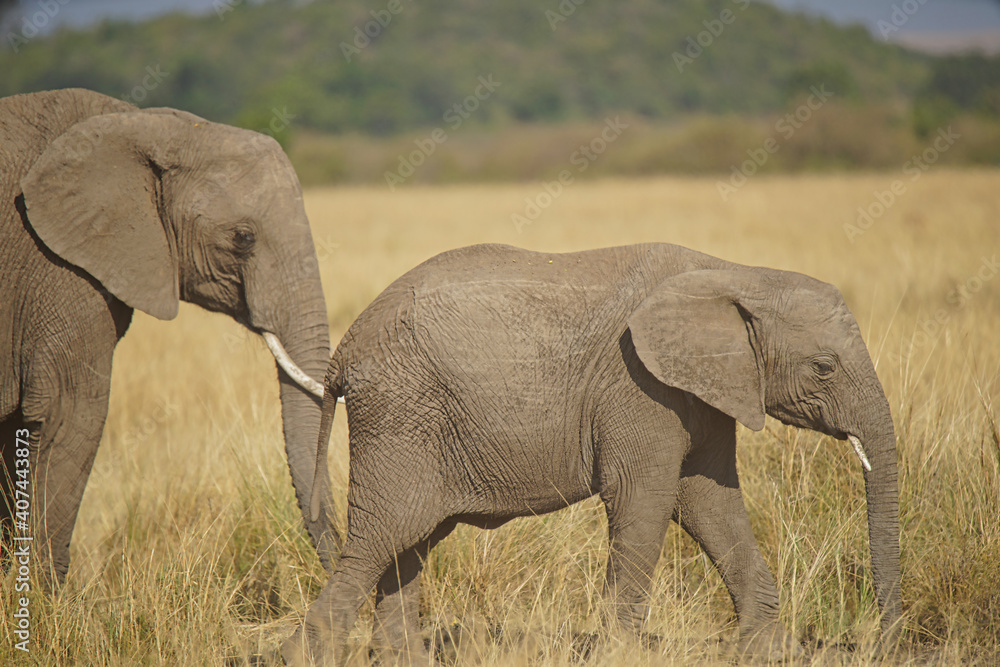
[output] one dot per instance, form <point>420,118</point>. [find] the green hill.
<point>352,89</point>
<point>556,61</point>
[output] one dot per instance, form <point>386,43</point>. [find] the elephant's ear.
<point>94,197</point>
<point>692,332</point>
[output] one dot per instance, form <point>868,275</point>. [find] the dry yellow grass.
<point>188,548</point>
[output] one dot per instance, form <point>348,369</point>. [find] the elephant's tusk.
<point>289,366</point>
<point>860,451</point>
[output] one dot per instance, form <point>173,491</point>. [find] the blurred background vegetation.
<point>347,105</point>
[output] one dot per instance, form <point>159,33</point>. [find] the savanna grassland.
<point>189,548</point>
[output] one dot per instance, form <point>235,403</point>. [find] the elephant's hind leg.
<point>382,523</point>
<point>328,621</point>
<point>397,632</point>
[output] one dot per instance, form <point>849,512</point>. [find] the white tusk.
<point>289,366</point>
<point>860,451</point>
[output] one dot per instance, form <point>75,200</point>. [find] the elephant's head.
<point>755,341</point>
<point>160,205</point>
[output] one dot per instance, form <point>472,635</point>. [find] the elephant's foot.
<point>625,618</point>
<point>306,649</point>
<point>295,650</point>
<point>770,643</point>
<point>412,654</point>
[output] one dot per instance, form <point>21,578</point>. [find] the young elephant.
<point>490,383</point>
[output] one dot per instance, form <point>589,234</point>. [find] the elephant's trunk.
<point>285,299</point>
<point>308,344</point>
<point>882,489</point>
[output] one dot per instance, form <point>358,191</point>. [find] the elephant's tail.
<point>332,391</point>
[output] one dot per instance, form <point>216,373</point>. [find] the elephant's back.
<point>484,271</point>
<point>489,298</point>
<point>499,263</point>
<point>497,267</point>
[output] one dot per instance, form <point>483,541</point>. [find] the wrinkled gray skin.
<point>491,383</point>
<point>105,208</point>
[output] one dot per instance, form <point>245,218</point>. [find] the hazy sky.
<point>933,15</point>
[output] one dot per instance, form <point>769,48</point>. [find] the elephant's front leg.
<point>639,501</point>
<point>63,447</point>
<point>710,508</point>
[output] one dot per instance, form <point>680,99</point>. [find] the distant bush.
<point>838,136</point>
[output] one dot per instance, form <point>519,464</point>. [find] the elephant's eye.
<point>822,367</point>
<point>243,240</point>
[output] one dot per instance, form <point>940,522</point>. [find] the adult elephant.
<point>107,208</point>
<point>490,383</point>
